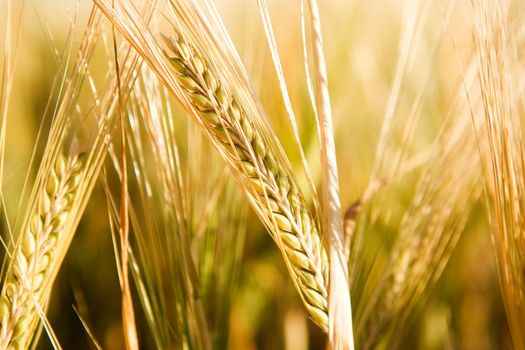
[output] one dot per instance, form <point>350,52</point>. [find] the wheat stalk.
<point>34,258</point>
<point>340,331</point>
<point>271,188</point>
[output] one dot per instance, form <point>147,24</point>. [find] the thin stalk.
<point>339,307</point>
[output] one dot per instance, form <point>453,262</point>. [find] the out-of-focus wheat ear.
<point>501,86</point>
<point>35,256</point>
<point>270,187</point>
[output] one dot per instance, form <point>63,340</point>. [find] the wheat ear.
<point>271,188</point>
<point>33,260</point>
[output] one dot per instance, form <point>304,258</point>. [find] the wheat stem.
<point>339,309</point>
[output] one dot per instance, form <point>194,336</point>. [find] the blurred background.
<point>364,46</point>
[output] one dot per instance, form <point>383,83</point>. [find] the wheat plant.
<point>232,120</point>
<point>65,178</point>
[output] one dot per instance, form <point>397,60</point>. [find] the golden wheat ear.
<point>272,190</point>
<point>31,266</point>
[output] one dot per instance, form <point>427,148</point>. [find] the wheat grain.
<point>34,257</point>
<point>272,190</point>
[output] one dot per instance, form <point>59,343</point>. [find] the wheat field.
<point>227,174</point>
